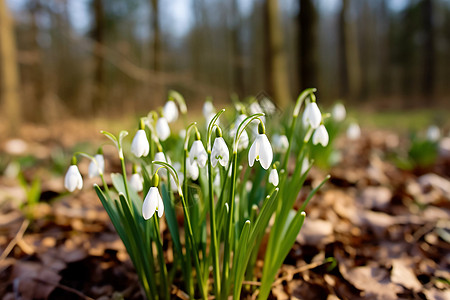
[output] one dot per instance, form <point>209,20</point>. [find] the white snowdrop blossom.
<point>305,165</point>
<point>173,183</point>
<point>73,179</point>
<point>321,136</point>
<point>162,129</point>
<point>219,152</point>
<point>243,141</point>
<point>135,182</point>
<point>159,156</point>
<point>353,131</point>
<point>261,150</point>
<point>255,108</point>
<point>139,145</point>
<point>170,111</point>
<point>182,133</point>
<point>273,177</point>
<point>208,109</point>
<point>433,133</point>
<point>217,181</point>
<point>268,106</point>
<point>280,142</point>
<point>96,167</point>
<point>152,202</point>
<point>192,170</point>
<point>312,115</point>
<point>198,154</point>
<point>339,113</point>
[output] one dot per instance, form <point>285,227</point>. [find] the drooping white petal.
<point>253,152</point>
<point>265,151</point>
<point>170,111</point>
<point>353,131</point>
<point>305,116</point>
<point>273,177</point>
<point>96,167</point>
<point>208,109</point>
<point>321,136</point>
<point>216,182</point>
<point>192,169</point>
<point>198,154</point>
<point>280,142</point>
<point>135,182</point>
<point>139,145</point>
<point>160,207</point>
<point>255,108</point>
<point>305,165</point>
<point>339,113</point>
<point>73,179</point>
<point>243,141</point>
<point>219,152</point>
<point>150,203</point>
<point>162,129</point>
<point>433,133</point>
<point>315,116</point>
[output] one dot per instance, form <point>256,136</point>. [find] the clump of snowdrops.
<point>225,180</point>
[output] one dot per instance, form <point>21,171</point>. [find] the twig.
<point>285,277</point>
<point>63,287</point>
<point>16,239</point>
<point>179,293</point>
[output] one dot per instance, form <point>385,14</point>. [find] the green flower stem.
<point>125,183</point>
<point>162,265</point>
<point>202,286</point>
<point>189,283</point>
<point>229,230</point>
<point>212,221</point>
<point>105,186</point>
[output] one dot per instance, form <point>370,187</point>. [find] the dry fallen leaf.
<point>403,274</point>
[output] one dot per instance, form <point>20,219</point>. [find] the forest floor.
<point>373,232</point>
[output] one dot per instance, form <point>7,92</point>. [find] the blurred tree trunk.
<point>428,59</point>
<point>343,64</point>
<point>384,76</point>
<point>277,57</point>
<point>351,53</point>
<point>237,60</point>
<point>99,78</point>
<point>37,71</point>
<point>156,45</point>
<point>308,44</point>
<point>9,72</point>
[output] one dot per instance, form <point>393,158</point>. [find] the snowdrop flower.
<point>305,165</point>
<point>217,181</point>
<point>255,108</point>
<point>280,142</point>
<point>159,156</point>
<point>353,131</point>
<point>433,133</point>
<point>73,179</point>
<point>198,153</point>
<point>192,170</point>
<point>170,111</point>
<point>261,150</point>
<point>135,182</point>
<point>268,106</point>
<point>173,183</point>
<point>219,152</point>
<point>243,141</point>
<point>208,109</point>
<point>139,145</point>
<point>312,115</point>
<point>162,129</point>
<point>273,177</point>
<point>339,113</point>
<point>182,133</point>
<point>96,167</point>
<point>321,136</point>
<point>153,201</point>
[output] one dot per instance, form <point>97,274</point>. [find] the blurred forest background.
<point>87,58</point>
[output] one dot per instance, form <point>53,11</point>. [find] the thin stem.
<point>162,265</point>
<point>212,221</point>
<point>105,186</point>
<point>125,182</point>
<point>228,229</point>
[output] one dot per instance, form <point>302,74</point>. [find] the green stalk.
<point>125,183</point>
<point>229,230</point>
<point>189,284</point>
<point>212,221</point>
<point>163,269</point>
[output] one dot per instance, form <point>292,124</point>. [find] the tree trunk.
<point>237,60</point>
<point>156,45</point>
<point>308,45</point>
<point>278,66</point>
<point>343,69</point>
<point>9,72</point>
<point>428,54</point>
<point>99,79</point>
